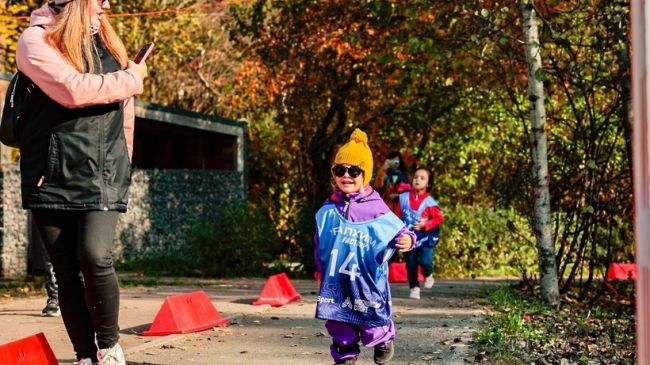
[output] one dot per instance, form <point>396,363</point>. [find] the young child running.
<point>356,235</point>
<point>422,214</point>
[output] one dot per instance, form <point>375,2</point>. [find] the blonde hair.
<point>70,34</point>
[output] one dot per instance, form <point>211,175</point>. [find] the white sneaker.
<point>428,282</point>
<point>86,362</point>
<point>111,356</point>
<point>415,293</point>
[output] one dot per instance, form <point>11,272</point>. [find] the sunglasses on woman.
<point>352,171</point>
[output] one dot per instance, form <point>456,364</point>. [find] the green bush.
<point>242,242</point>
<point>484,241</point>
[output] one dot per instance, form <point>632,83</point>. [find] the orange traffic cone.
<point>185,313</point>
<point>278,291</point>
<point>29,350</point>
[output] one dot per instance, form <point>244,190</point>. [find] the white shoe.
<point>415,293</point>
<point>86,362</point>
<point>428,282</point>
<point>111,356</point>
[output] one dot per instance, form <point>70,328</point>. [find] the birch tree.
<point>542,208</point>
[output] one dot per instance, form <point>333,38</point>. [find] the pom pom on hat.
<point>356,152</point>
<point>359,136</point>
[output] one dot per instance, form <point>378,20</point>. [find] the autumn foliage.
<point>441,81</point>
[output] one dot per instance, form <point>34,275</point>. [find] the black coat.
<point>75,159</point>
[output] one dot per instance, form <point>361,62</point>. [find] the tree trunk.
<point>624,76</point>
<point>329,132</point>
<point>542,208</point>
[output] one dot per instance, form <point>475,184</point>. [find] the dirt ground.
<point>436,329</point>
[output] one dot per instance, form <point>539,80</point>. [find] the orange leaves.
<point>254,82</point>
<point>249,69</point>
<point>342,49</point>
<point>376,55</point>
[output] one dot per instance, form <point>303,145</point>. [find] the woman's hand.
<point>139,68</point>
<point>386,165</point>
<point>404,243</point>
<point>418,226</point>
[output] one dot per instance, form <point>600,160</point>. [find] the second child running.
<point>421,213</point>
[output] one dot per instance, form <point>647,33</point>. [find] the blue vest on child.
<point>355,255</point>
<point>410,216</point>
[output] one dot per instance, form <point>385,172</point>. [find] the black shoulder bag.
<point>18,95</point>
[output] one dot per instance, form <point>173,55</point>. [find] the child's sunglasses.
<point>353,171</point>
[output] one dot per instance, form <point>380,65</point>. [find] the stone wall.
<point>15,239</point>
<point>161,204</point>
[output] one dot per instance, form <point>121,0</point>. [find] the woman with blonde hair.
<point>76,143</point>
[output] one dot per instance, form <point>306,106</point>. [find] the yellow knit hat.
<point>356,152</point>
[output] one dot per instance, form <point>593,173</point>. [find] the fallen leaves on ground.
<point>589,327</point>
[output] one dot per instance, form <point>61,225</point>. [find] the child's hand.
<point>404,243</point>
<point>418,226</point>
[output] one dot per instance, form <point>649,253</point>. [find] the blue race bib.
<point>355,257</point>
<point>411,216</point>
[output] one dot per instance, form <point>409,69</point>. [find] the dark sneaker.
<point>351,361</point>
<point>384,352</point>
<point>51,309</point>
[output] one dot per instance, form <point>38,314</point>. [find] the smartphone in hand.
<point>144,52</point>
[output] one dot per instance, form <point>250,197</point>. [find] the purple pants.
<point>346,336</point>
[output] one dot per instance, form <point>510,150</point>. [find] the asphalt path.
<point>437,329</point>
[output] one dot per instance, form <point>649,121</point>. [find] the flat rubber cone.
<point>32,350</point>
<point>277,291</point>
<point>185,313</point>
<point>397,273</point>
<point>621,271</point>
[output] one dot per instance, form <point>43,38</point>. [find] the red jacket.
<point>432,215</point>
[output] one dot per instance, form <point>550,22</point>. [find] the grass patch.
<point>32,285</point>
<point>135,279</point>
<point>507,326</point>
<point>159,266</point>
<point>592,326</point>
<point>144,281</point>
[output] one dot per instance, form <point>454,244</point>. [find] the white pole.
<point>641,170</point>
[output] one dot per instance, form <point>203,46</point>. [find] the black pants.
<point>419,257</point>
<point>80,246</point>
<point>50,279</point>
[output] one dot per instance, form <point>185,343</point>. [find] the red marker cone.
<point>621,271</point>
<point>29,350</point>
<point>185,313</point>
<point>397,273</point>
<point>278,291</point>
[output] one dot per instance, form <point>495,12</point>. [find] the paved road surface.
<point>434,330</point>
